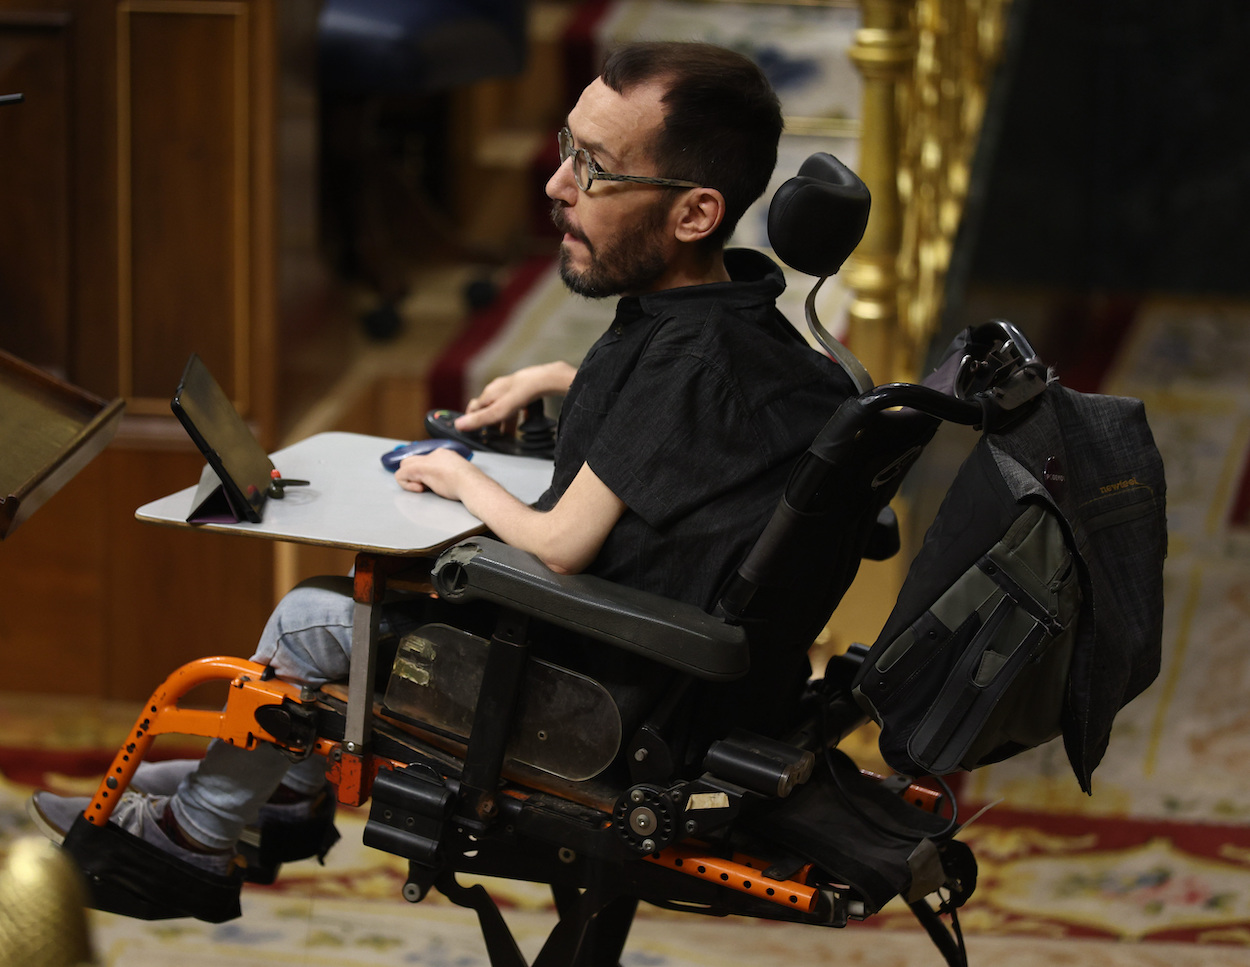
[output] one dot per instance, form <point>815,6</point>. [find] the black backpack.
<point>1034,607</point>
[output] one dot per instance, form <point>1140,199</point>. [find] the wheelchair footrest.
<point>128,876</point>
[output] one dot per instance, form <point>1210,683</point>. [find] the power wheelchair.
<point>728,796</point>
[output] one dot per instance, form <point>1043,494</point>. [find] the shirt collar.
<point>754,279</point>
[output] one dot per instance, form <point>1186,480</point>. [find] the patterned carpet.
<point>1053,891</point>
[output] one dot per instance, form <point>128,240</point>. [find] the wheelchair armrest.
<point>670,632</point>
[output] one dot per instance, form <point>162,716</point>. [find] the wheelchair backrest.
<point>801,565</point>
<point>832,511</point>
<point>810,551</point>
<point>834,505</point>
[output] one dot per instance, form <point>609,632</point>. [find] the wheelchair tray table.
<point>353,502</point>
<point>49,430</point>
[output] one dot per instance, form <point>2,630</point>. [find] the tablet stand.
<point>212,503</point>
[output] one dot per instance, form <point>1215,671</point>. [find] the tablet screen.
<point>215,426</point>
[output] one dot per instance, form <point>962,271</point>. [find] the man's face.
<point>617,237</point>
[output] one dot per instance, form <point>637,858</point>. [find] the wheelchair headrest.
<point>818,217</point>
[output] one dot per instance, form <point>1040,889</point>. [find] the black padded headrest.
<point>818,217</point>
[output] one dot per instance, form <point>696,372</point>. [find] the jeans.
<point>308,641</point>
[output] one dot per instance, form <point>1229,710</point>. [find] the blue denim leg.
<point>307,640</point>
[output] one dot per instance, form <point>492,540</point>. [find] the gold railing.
<point>926,66</point>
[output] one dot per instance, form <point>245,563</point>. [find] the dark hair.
<point>722,118</point>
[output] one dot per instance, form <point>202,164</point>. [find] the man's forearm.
<point>556,378</point>
<point>546,534</point>
<point>566,538</point>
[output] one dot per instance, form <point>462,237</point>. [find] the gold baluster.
<point>926,66</point>
<point>943,108</point>
<point>883,51</point>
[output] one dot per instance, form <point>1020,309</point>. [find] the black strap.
<point>950,943</point>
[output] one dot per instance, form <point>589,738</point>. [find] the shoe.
<point>137,814</point>
<point>285,832</point>
<point>130,864</point>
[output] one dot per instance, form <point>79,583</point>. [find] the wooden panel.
<point>138,188</point>
<point>95,603</point>
<point>34,178</point>
<point>139,220</point>
<point>183,182</point>
<point>93,172</point>
<point>52,596</point>
<point>174,595</point>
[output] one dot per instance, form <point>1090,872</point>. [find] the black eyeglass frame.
<point>595,173</point>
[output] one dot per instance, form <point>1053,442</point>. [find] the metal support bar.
<point>737,875</point>
<point>592,928</point>
<point>250,690</point>
<point>500,945</point>
<point>492,719</point>
<point>368,588</point>
<point>372,575</point>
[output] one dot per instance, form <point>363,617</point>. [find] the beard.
<point>627,264</point>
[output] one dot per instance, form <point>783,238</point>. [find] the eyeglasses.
<point>586,172</point>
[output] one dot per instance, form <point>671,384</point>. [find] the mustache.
<point>560,218</point>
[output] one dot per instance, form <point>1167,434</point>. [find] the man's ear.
<point>699,213</point>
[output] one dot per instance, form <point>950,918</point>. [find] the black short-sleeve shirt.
<point>692,408</point>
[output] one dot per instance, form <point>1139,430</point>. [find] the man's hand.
<point>442,471</point>
<point>502,399</point>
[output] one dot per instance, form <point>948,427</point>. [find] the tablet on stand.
<point>239,475</point>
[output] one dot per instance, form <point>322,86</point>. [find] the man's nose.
<point>561,186</point>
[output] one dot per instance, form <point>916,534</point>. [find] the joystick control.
<point>535,435</point>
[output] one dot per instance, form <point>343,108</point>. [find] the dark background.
<point>1115,161</point>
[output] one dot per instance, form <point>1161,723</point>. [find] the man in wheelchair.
<point>677,433</point>
<point>622,706</point>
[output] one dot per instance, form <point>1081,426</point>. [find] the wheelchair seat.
<point>727,794</point>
